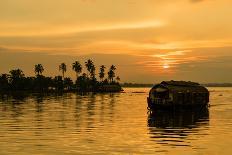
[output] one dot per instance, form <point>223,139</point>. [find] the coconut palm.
<point>63,68</point>
<point>68,83</point>
<point>111,73</point>
<point>102,72</point>
<point>17,79</point>
<point>90,66</point>
<point>4,82</point>
<point>16,74</point>
<point>76,66</point>
<point>112,67</point>
<point>118,79</point>
<point>92,72</point>
<point>39,69</point>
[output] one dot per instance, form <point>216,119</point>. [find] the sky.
<point>148,40</point>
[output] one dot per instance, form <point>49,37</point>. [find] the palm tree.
<point>16,74</point>
<point>111,73</point>
<point>17,79</point>
<point>102,72</point>
<point>89,66</point>
<point>112,67</point>
<point>39,69</point>
<point>4,81</point>
<point>68,83</point>
<point>76,66</point>
<point>63,68</point>
<point>92,72</point>
<point>118,79</point>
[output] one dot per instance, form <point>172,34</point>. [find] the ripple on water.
<point>112,124</point>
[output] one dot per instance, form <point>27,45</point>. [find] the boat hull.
<point>171,105</point>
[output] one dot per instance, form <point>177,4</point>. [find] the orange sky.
<point>148,40</point>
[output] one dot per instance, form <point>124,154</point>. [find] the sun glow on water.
<point>165,66</point>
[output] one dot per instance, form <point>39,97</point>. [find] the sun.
<point>165,66</point>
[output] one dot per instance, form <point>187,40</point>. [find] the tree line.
<point>17,81</point>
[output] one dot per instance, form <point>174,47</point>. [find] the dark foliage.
<point>17,81</point>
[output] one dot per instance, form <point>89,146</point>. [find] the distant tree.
<point>16,74</point>
<point>118,79</point>
<point>111,73</point>
<point>84,75</point>
<point>83,82</point>
<point>89,66</point>
<point>63,68</point>
<point>58,83</point>
<point>17,79</point>
<point>76,66</point>
<point>4,82</point>
<point>102,72</point>
<point>68,83</point>
<point>92,72</point>
<point>39,69</point>
<point>105,82</point>
<point>28,83</point>
<point>112,67</point>
<point>4,77</point>
<point>42,83</point>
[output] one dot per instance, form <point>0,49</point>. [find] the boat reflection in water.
<point>176,127</point>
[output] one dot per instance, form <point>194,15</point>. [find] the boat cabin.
<point>170,93</point>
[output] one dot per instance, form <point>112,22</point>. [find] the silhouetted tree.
<point>89,66</point>
<point>16,74</point>
<point>92,72</point>
<point>28,83</point>
<point>102,72</point>
<point>39,69</point>
<point>63,68</point>
<point>111,73</point>
<point>68,83</point>
<point>58,83</point>
<point>17,79</point>
<point>42,83</point>
<point>4,82</point>
<point>118,79</point>
<point>76,66</point>
<point>83,82</point>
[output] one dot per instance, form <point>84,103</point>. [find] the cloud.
<point>196,1</point>
<point>202,65</point>
<point>151,34</point>
<point>38,29</point>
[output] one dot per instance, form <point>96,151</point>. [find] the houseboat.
<point>177,94</point>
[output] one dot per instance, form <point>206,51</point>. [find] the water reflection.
<point>16,98</point>
<point>90,123</point>
<point>173,127</point>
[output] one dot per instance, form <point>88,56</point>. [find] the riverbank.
<point>101,89</point>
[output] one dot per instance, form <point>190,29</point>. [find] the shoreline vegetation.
<point>16,81</point>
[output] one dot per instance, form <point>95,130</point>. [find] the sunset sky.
<point>148,40</point>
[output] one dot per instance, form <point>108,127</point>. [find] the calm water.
<point>112,124</point>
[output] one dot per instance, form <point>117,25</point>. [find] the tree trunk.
<point>76,76</point>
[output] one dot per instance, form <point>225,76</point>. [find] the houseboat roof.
<point>181,86</point>
<point>180,83</point>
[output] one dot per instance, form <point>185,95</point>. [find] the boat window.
<point>180,97</point>
<point>188,97</point>
<point>161,94</point>
<point>194,97</point>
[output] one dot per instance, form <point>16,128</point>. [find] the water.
<point>112,124</point>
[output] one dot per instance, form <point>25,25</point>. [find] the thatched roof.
<point>181,86</point>
<point>180,83</point>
